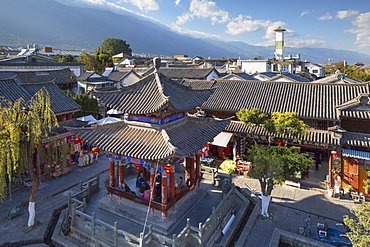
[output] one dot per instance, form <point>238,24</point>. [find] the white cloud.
<point>297,43</point>
<point>245,24</point>
<point>325,17</point>
<point>143,5</point>
<point>197,34</point>
<point>362,29</point>
<point>184,18</point>
<point>204,9</point>
<point>103,4</point>
<point>346,14</point>
<point>304,13</point>
<point>177,2</point>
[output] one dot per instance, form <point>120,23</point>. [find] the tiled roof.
<point>11,90</point>
<point>150,141</point>
<point>199,84</point>
<point>315,137</point>
<point>186,73</point>
<point>33,60</point>
<point>56,76</point>
<point>309,100</point>
<point>60,102</point>
<point>150,94</point>
<point>338,77</point>
<point>356,139</point>
<point>289,77</point>
<point>241,76</point>
<point>118,75</point>
<point>68,123</point>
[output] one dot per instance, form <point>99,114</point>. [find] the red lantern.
<point>334,153</point>
<point>279,143</point>
<point>168,169</point>
<point>138,166</point>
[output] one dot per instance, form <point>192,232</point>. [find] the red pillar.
<point>172,186</point>
<point>192,171</point>
<point>152,183</point>
<point>197,161</point>
<point>111,171</point>
<point>164,193</point>
<point>121,174</point>
<point>187,168</point>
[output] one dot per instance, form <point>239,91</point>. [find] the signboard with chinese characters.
<point>336,164</point>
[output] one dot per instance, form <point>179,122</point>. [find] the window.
<point>315,71</point>
<point>284,67</point>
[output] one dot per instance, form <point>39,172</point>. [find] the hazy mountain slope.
<point>51,23</point>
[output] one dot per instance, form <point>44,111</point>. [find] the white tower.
<point>279,43</point>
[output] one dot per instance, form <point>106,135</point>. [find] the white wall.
<point>252,66</point>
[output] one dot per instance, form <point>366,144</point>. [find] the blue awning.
<point>356,154</point>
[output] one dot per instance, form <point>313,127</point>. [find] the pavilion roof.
<point>152,93</point>
<point>151,141</point>
<point>310,100</point>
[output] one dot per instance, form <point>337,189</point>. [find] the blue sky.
<point>339,24</point>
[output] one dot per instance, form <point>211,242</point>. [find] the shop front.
<point>355,165</point>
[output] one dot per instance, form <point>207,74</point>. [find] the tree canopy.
<point>354,72</point>
<point>114,46</point>
<point>274,164</point>
<point>360,225</point>
<point>88,103</point>
<point>22,126</point>
<point>277,123</point>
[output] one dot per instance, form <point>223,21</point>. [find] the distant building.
<point>37,63</point>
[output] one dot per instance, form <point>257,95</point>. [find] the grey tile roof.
<point>150,141</point>
<point>241,76</point>
<point>68,123</point>
<point>199,84</point>
<point>62,76</point>
<point>91,76</point>
<point>150,94</point>
<point>33,60</point>
<point>60,102</point>
<point>315,137</point>
<point>118,75</point>
<point>309,100</point>
<point>338,78</point>
<point>290,77</point>
<point>186,73</point>
<point>356,139</point>
<point>11,90</point>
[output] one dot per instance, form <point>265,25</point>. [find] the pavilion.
<point>157,133</point>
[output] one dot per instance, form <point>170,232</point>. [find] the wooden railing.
<point>155,205</point>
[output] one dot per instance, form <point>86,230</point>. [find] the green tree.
<point>68,58</point>
<point>331,68</point>
<point>360,225</point>
<point>104,60</point>
<point>22,125</point>
<point>88,103</point>
<point>91,61</point>
<point>354,72</point>
<point>114,46</point>
<point>258,58</point>
<point>273,164</point>
<point>277,123</point>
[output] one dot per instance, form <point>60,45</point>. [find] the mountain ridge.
<point>51,23</point>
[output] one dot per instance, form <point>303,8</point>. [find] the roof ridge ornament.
<point>339,75</point>
<point>157,64</point>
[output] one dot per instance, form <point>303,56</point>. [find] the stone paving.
<point>289,208</point>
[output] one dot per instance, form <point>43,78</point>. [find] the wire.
<point>150,200</point>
